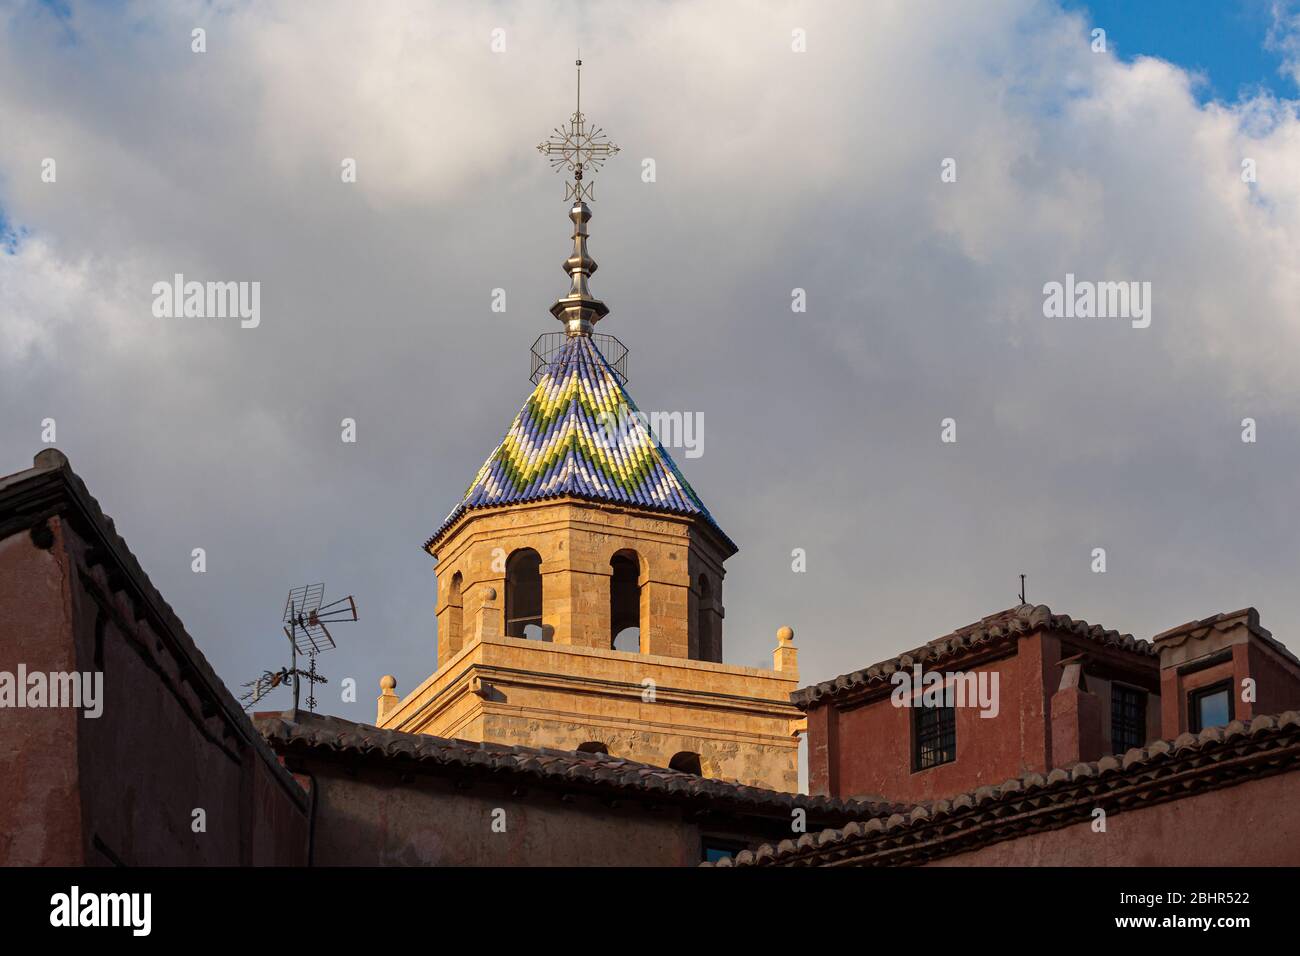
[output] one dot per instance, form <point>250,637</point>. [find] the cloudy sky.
<point>775,170</point>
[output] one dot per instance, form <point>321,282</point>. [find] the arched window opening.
<point>686,762</point>
<point>524,594</point>
<point>625,602</point>
<point>455,608</point>
<point>593,747</point>
<point>707,643</point>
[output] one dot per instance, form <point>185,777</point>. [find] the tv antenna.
<point>305,618</point>
<point>261,686</point>
<point>1022,589</point>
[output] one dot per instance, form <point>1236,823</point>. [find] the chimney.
<point>1076,717</point>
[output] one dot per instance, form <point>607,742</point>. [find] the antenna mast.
<point>305,618</point>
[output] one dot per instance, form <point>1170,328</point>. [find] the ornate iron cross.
<point>577,148</point>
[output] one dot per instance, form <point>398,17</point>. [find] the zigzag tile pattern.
<point>580,435</point>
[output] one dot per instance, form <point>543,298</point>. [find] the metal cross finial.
<point>577,149</point>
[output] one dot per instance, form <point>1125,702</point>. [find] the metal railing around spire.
<point>550,343</point>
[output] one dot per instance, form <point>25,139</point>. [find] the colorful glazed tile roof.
<point>580,435</point>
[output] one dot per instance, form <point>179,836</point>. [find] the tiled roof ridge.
<point>1215,620</point>
<point>556,447</point>
<point>1176,636</point>
<point>995,627</point>
<point>901,834</point>
<point>546,764</point>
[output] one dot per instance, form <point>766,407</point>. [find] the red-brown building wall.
<point>863,747</point>
<point>40,813</point>
<point>123,787</point>
<point>1277,688</point>
<point>1277,684</point>
<point>868,747</point>
<point>373,817</point>
<point>1254,823</point>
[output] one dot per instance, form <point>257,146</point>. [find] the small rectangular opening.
<point>1210,707</point>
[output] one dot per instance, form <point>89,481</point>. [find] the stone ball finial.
<point>388,684</point>
<point>784,635</point>
<point>490,593</point>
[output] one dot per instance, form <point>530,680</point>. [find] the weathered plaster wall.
<point>40,785</point>
<point>378,818</point>
<point>123,787</point>
<point>871,744</point>
<point>1256,823</point>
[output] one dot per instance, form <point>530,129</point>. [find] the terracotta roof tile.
<point>1163,770</point>
<point>334,734</point>
<point>996,627</point>
<point>1228,620</point>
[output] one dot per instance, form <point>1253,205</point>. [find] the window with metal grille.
<point>1128,718</point>
<point>934,736</point>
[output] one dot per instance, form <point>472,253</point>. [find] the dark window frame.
<point>1118,695</point>
<point>1194,697</point>
<point>704,643</point>
<point>933,746</point>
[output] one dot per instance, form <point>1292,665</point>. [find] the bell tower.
<point>580,577</point>
<point>571,571</point>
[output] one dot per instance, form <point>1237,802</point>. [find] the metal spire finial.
<point>576,150</point>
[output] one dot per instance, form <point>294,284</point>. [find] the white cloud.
<point>776,169</point>
<point>40,296</point>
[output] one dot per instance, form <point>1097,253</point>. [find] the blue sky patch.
<point>1226,40</point>
<point>11,236</point>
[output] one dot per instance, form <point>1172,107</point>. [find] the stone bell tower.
<point>580,576</point>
